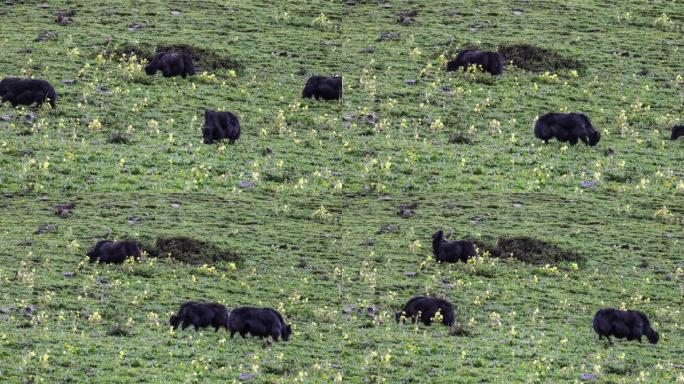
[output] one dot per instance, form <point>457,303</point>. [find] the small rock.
<point>371,118</point>
<point>267,151</point>
<point>388,36</point>
<point>134,220</point>
<point>247,184</point>
<point>46,228</point>
<point>587,184</point>
<point>175,205</point>
<point>107,40</point>
<point>385,5</point>
<point>388,228</point>
<point>517,205</point>
<point>68,275</point>
<point>135,27</point>
<point>246,376</point>
<point>49,35</point>
<point>410,82</point>
<point>517,12</point>
<point>25,50</point>
<point>609,152</point>
<point>6,117</point>
<point>410,274</point>
<point>175,13</point>
<point>368,242</point>
<point>368,49</point>
<point>473,29</point>
<point>30,117</point>
<point>104,90</point>
<point>348,117</point>
<point>69,81</point>
<point>44,5</point>
<point>587,376</point>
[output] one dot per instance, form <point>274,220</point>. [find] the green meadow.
<point>302,213</point>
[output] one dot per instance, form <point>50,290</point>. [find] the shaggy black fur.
<point>171,64</point>
<point>327,88</point>
<point>491,62</point>
<point>220,125</point>
<point>677,131</point>
<point>451,251</point>
<point>426,308</point>
<point>201,315</point>
<point>624,324</point>
<point>115,252</point>
<point>258,322</point>
<point>566,127</point>
<point>27,92</point>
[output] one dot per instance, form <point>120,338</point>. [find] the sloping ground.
<point>308,198</point>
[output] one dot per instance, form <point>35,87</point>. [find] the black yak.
<point>258,322</point>
<point>566,127</point>
<point>171,64</point>
<point>491,62</point>
<point>623,324</point>
<point>114,252</point>
<point>451,251</point>
<point>201,315</point>
<point>27,92</point>
<point>425,308</point>
<point>677,131</point>
<point>220,125</point>
<point>327,88</point>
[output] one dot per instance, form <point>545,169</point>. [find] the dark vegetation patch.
<point>204,59</point>
<point>459,138</point>
<point>529,250</point>
<point>118,138</point>
<point>535,251</point>
<point>64,210</point>
<point>187,250</point>
<point>537,59</point>
<point>117,331</point>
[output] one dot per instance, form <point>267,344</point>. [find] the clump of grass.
<point>188,250</point>
<point>459,138</point>
<point>537,59</point>
<point>535,251</point>
<point>118,138</point>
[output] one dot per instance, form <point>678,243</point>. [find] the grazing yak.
<point>677,131</point>
<point>114,252</point>
<point>624,324</point>
<point>219,126</point>
<point>566,127</point>
<point>258,322</point>
<point>451,251</point>
<point>201,315</point>
<point>327,88</point>
<point>171,64</point>
<point>491,62</point>
<point>424,309</point>
<point>27,92</point>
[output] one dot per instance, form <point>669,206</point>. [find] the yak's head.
<point>652,335</point>
<point>153,66</point>
<point>174,321</point>
<point>94,253</point>
<point>310,87</point>
<point>287,331</point>
<point>208,130</point>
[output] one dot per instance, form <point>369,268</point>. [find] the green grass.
<point>306,236</point>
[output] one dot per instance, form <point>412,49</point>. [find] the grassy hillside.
<point>305,204</point>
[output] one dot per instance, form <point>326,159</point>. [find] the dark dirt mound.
<point>529,250</point>
<point>204,59</point>
<point>535,251</point>
<point>188,250</point>
<point>537,59</point>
